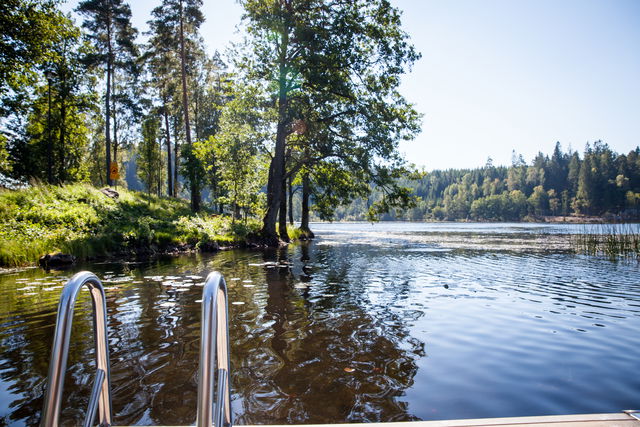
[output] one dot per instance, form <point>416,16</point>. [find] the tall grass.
<point>611,240</point>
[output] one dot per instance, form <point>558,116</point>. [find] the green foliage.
<point>239,169</point>
<point>52,143</point>
<point>333,71</point>
<point>80,220</point>
<point>29,30</point>
<point>601,182</point>
<point>149,158</point>
<point>109,30</point>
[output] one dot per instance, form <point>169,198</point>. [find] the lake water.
<point>389,322</point>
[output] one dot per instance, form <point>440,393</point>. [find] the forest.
<point>308,102</point>
<point>601,183</point>
<point>303,116</point>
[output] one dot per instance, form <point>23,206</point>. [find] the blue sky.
<point>503,75</point>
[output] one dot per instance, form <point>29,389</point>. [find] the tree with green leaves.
<point>176,24</point>
<point>350,53</point>
<point>149,159</point>
<point>53,144</point>
<point>30,29</point>
<point>162,63</point>
<point>108,25</point>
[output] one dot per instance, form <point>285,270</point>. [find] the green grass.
<point>80,220</point>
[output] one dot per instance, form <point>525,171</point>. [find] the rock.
<point>57,259</point>
<point>208,246</point>
<point>110,193</point>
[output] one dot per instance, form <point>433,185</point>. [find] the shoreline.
<point>542,220</point>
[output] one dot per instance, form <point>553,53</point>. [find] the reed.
<point>611,240</point>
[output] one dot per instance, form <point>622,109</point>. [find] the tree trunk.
<point>49,139</point>
<point>149,168</point>
<point>63,133</point>
<point>195,114</point>
<point>168,138</point>
<point>176,159</point>
<point>195,191</point>
<point>282,222</point>
<point>107,102</point>
<point>115,120</point>
<point>290,186</point>
<point>115,127</point>
<point>304,220</point>
<point>276,168</point>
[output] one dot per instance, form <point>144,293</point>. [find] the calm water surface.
<point>390,322</point>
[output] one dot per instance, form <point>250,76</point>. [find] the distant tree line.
<point>308,102</point>
<point>601,182</point>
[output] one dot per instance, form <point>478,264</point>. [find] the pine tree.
<point>108,25</point>
<point>176,23</point>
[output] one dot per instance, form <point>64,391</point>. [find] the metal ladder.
<point>214,351</point>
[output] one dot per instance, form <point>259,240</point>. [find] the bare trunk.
<point>282,220</point>
<point>304,220</point>
<point>195,115</point>
<point>290,186</point>
<point>115,120</point>
<point>107,103</point>
<point>276,169</point>
<point>176,159</point>
<point>168,139</point>
<point>194,188</point>
<point>49,138</point>
<point>63,134</point>
<point>149,169</point>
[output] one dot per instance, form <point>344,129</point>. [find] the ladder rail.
<point>214,352</point>
<point>60,352</point>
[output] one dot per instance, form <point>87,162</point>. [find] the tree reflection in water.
<point>321,360</point>
<point>290,345</point>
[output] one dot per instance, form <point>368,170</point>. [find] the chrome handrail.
<point>60,351</point>
<point>214,344</point>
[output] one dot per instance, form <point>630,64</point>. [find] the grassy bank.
<point>80,220</point>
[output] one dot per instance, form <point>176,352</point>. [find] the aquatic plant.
<point>610,240</point>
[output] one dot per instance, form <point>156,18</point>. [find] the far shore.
<point>527,220</point>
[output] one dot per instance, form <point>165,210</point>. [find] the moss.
<point>80,220</point>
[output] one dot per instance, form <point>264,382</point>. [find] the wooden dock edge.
<point>621,419</point>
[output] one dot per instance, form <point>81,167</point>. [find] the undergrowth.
<point>80,220</point>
